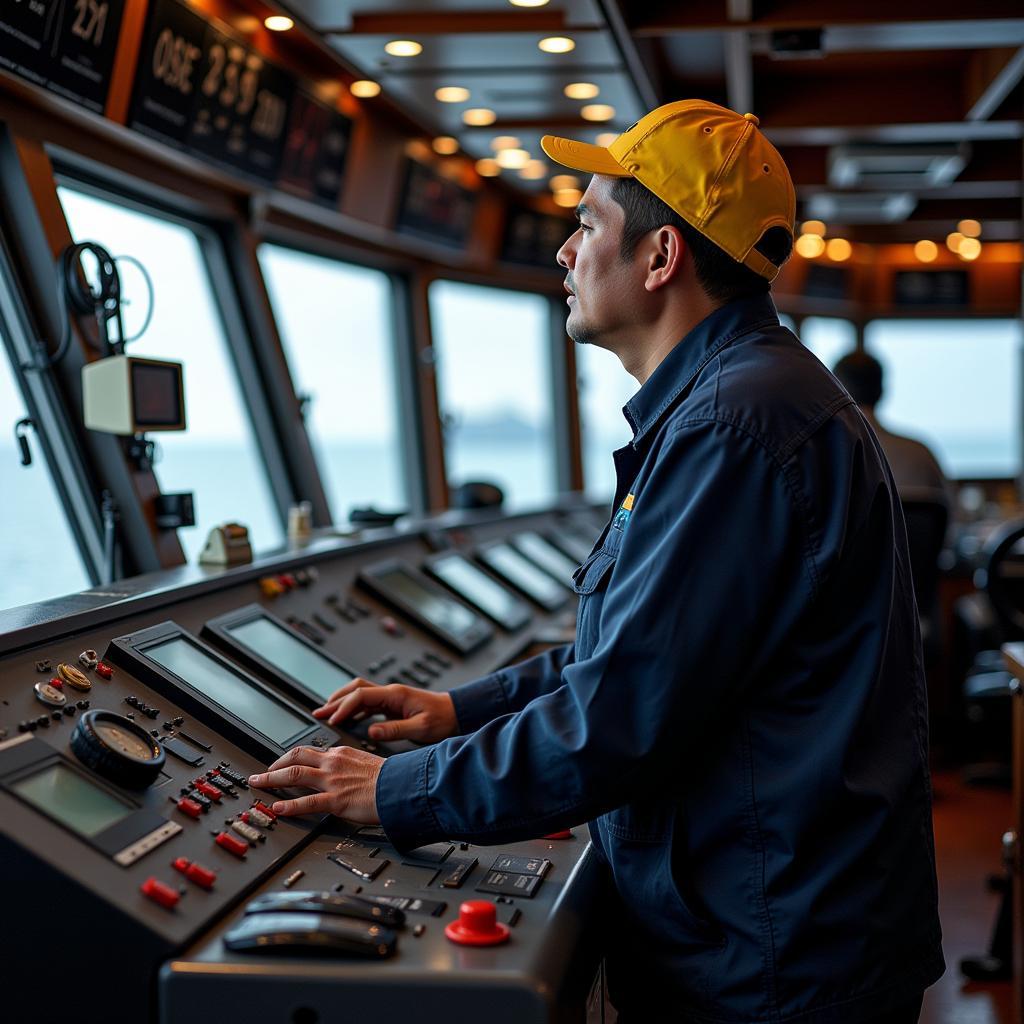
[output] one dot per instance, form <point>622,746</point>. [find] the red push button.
<point>203,877</point>
<point>232,844</point>
<point>478,925</point>
<point>190,807</point>
<point>260,806</point>
<point>206,789</point>
<point>564,834</point>
<point>160,892</point>
<point>103,670</point>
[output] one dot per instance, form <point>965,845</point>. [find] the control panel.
<point>131,837</point>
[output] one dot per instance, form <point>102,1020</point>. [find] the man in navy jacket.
<point>742,716</point>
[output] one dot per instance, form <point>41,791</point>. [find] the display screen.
<point>156,395</point>
<point>273,643</point>
<point>549,558</point>
<point>476,586</point>
<point>444,612</point>
<point>524,574</point>
<point>257,709</point>
<point>73,800</point>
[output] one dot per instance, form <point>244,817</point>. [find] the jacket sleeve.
<point>511,689</point>
<point>713,571</point>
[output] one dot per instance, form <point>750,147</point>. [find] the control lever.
<point>310,935</point>
<point>330,903</point>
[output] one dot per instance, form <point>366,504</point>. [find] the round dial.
<point>117,748</point>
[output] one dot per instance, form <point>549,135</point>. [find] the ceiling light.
<point>534,170</point>
<point>581,90</point>
<point>970,249</point>
<point>445,145</point>
<point>364,89</point>
<point>505,142</point>
<point>451,94</point>
<point>567,196</point>
<point>564,181</point>
<point>838,249</point>
<point>970,228</point>
<point>528,3</point>
<point>557,44</point>
<point>809,246</point>
<point>953,241</point>
<point>813,227</point>
<point>488,168</point>
<point>597,112</point>
<point>605,139</point>
<point>403,48</point>
<point>479,117</point>
<point>926,251</point>
<point>278,23</point>
<point>512,159</point>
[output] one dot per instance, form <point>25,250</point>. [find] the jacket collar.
<point>677,370</point>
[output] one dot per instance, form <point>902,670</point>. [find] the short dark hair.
<point>861,375</point>
<point>721,277</point>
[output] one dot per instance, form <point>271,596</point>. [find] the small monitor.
<point>471,583</point>
<point>70,798</point>
<point>514,567</point>
<point>425,602</point>
<point>543,553</point>
<point>128,395</point>
<point>264,642</point>
<point>157,395</point>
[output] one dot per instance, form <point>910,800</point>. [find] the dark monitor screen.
<point>476,586</point>
<point>156,395</point>
<point>548,557</point>
<point>444,612</point>
<point>276,645</point>
<point>517,568</point>
<point>72,799</point>
<point>231,691</point>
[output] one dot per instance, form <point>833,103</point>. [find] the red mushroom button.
<point>478,925</point>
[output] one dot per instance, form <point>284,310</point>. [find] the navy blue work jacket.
<point>742,717</point>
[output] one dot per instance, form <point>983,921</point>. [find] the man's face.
<point>604,289</point>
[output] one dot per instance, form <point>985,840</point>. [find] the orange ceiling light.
<point>810,245</point>
<point>953,241</point>
<point>479,117</point>
<point>529,3</point>
<point>581,90</point>
<point>564,181</point>
<point>278,23</point>
<point>813,227</point>
<point>557,44</point>
<point>446,145</point>
<point>365,89</point>
<point>567,197</point>
<point>505,142</point>
<point>597,112</point>
<point>838,250</point>
<point>970,249</point>
<point>534,170</point>
<point>488,168</point>
<point>926,251</point>
<point>605,139</point>
<point>969,228</point>
<point>451,94</point>
<point>403,48</point>
<point>512,159</point>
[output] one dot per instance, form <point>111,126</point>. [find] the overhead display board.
<point>66,46</point>
<point>434,207</point>
<point>315,148</point>
<point>534,238</point>
<point>206,91</point>
<point>931,288</point>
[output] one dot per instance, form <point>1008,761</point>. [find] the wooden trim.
<point>126,60</point>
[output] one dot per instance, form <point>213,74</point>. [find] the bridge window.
<point>217,457</point>
<point>956,385</point>
<point>495,390</point>
<point>335,321</point>
<point>604,388</point>
<point>828,338</point>
<point>41,558</point>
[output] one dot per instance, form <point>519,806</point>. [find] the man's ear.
<point>665,257</point>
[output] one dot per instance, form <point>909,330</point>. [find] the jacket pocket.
<point>592,573</point>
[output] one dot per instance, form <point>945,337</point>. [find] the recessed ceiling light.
<point>504,142</point>
<point>926,250</point>
<point>970,249</point>
<point>838,249</point>
<point>970,228</point>
<point>581,90</point>
<point>597,112</point>
<point>813,227</point>
<point>557,44</point>
<point>529,3</point>
<point>403,48</point>
<point>479,117</point>
<point>451,94</point>
<point>278,23</point>
<point>445,145</point>
<point>364,89</point>
<point>488,168</point>
<point>809,246</point>
<point>512,159</point>
<point>567,196</point>
<point>564,181</point>
<point>606,139</point>
<point>534,170</point>
<point>954,240</point>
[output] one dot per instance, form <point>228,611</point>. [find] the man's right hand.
<point>417,715</point>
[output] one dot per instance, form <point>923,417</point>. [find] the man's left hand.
<point>345,780</point>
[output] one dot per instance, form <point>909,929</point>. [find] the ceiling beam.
<point>403,24</point>
<point>991,77</point>
<point>626,45</point>
<point>739,69</point>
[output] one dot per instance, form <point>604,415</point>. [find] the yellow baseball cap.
<point>712,166</point>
